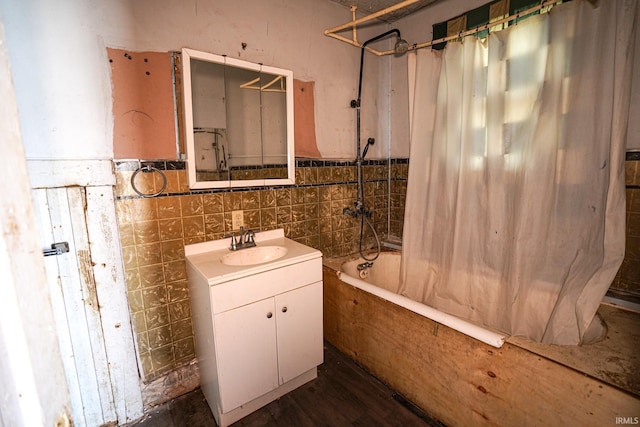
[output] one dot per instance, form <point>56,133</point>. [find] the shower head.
<point>401,46</point>
<point>370,141</point>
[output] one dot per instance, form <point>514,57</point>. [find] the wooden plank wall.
<point>458,380</point>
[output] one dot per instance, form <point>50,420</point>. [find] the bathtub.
<point>381,280</point>
<point>455,371</point>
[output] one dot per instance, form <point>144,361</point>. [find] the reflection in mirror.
<point>238,122</point>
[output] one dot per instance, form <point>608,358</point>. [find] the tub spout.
<point>365,265</point>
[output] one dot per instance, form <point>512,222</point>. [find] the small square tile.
<point>155,296</point>
<point>132,279</point>
<point>159,337</point>
<point>162,358</point>
<point>169,207</point>
<point>135,301</point>
<point>267,217</point>
<point>325,193</point>
<point>123,184</point>
<point>337,207</point>
<point>179,311</point>
<point>325,225</point>
<point>143,209</point>
<point>129,257</point>
<point>311,227</point>
<point>192,205</point>
<point>178,291</point>
<point>324,175</point>
<point>173,184</point>
<point>250,200</point>
<point>182,329</point>
<point>126,234</point>
<point>350,173</point>
<point>151,275</point>
<point>183,181</point>
<point>124,211</point>
<point>175,271</point>
<point>252,219</point>
<point>298,213</point>
<point>146,364</point>
<point>156,317</point>
<point>214,223</point>
<point>184,349</point>
<point>311,195</point>
<point>213,203</point>
<point>283,197</point>
<point>172,250</point>
<point>138,322</point>
<point>283,215</point>
<point>310,175</point>
<point>267,198</point>
<point>337,173</point>
<point>325,209</point>
<point>149,254</point>
<point>170,229</point>
<point>232,201</point>
<point>142,339</point>
<point>630,172</point>
<point>193,226</point>
<point>297,229</point>
<point>336,192</point>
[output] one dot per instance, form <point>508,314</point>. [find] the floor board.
<point>342,395</point>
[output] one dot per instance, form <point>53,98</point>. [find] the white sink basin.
<point>256,255</point>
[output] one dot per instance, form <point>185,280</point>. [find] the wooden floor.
<point>342,395</point>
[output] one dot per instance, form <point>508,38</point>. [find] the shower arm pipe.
<point>359,158</point>
<point>364,46</point>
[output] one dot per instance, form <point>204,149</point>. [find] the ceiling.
<point>367,7</point>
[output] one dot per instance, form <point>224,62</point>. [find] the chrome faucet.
<point>244,240</point>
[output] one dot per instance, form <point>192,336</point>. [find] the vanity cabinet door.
<point>299,328</point>
<point>246,353</point>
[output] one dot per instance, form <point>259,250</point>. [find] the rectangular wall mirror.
<point>238,122</point>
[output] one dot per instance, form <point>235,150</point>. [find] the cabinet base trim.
<point>234,415</point>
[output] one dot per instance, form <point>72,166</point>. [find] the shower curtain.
<point>515,201</point>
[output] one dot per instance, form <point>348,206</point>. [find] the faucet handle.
<point>250,235</point>
<point>234,241</point>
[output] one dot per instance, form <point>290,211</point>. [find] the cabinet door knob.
<point>269,315</point>
<point>284,309</point>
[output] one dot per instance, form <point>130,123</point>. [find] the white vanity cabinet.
<point>258,328</point>
<point>267,343</point>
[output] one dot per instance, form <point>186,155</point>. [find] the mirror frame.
<point>187,55</point>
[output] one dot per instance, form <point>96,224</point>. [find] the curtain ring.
<point>148,169</point>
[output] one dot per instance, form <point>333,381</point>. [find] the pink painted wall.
<point>143,108</point>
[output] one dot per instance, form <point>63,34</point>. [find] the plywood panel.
<point>458,380</point>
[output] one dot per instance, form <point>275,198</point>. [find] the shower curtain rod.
<point>353,23</point>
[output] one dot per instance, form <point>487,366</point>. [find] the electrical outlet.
<point>237,219</point>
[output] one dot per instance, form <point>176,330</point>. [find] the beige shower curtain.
<point>515,201</point>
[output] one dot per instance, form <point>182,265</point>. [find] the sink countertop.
<point>206,257</point>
